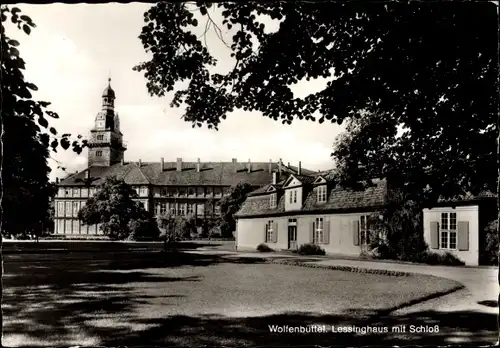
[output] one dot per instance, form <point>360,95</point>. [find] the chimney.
<point>198,166</point>
<point>235,166</point>
<point>279,166</point>
<point>123,162</point>
<point>140,163</point>
<point>249,166</point>
<point>179,164</point>
<point>275,178</point>
<point>57,180</point>
<point>162,164</point>
<point>288,165</point>
<point>270,166</point>
<point>299,169</point>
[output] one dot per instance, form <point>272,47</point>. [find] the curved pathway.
<point>481,284</point>
<point>480,295</point>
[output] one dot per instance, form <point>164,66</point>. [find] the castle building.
<point>180,187</point>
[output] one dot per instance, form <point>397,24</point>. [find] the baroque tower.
<point>106,143</point>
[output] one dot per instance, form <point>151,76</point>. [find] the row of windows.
<point>319,230</point>
<point>191,191</point>
<point>292,196</point>
<point>68,209</point>
<point>183,209</point>
<point>75,227</point>
<point>71,208</point>
<point>76,192</point>
<point>142,191</point>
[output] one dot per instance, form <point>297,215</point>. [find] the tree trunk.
<point>498,209</point>
<point>2,136</point>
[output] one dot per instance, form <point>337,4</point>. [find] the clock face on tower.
<point>100,124</point>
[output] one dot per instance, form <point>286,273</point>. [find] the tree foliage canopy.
<point>429,69</point>
<point>174,227</point>
<point>114,208</point>
<point>229,205</point>
<point>27,138</point>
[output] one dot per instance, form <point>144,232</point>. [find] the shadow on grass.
<point>96,296</point>
<point>187,245</point>
<point>456,327</point>
<point>211,330</point>
<point>21,247</point>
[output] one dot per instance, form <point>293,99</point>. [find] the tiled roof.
<point>305,179</point>
<point>339,199</point>
<point>211,173</point>
<point>303,171</point>
<point>469,197</point>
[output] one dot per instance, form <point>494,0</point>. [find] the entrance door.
<point>292,237</point>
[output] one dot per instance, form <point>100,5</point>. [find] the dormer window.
<point>100,137</point>
<point>143,191</point>
<point>272,200</point>
<point>321,194</point>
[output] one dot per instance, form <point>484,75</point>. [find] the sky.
<point>75,48</point>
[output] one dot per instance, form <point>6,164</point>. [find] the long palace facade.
<point>180,187</point>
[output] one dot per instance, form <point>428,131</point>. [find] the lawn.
<point>146,298</point>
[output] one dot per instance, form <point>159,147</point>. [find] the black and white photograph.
<point>249,173</point>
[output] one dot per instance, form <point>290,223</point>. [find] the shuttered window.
<point>318,230</point>
<point>269,231</point>
<point>448,231</point>
<point>364,230</point>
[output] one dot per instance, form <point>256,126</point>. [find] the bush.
<point>311,249</point>
<point>445,259</point>
<point>264,248</point>
<point>490,249</point>
<point>214,232</point>
<point>143,230</point>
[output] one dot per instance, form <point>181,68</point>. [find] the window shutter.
<point>463,235</point>
<point>434,235</point>
<point>265,233</point>
<point>326,232</point>
<point>355,232</point>
<point>311,233</point>
<point>275,232</point>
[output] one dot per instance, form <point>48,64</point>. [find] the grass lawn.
<point>147,298</point>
